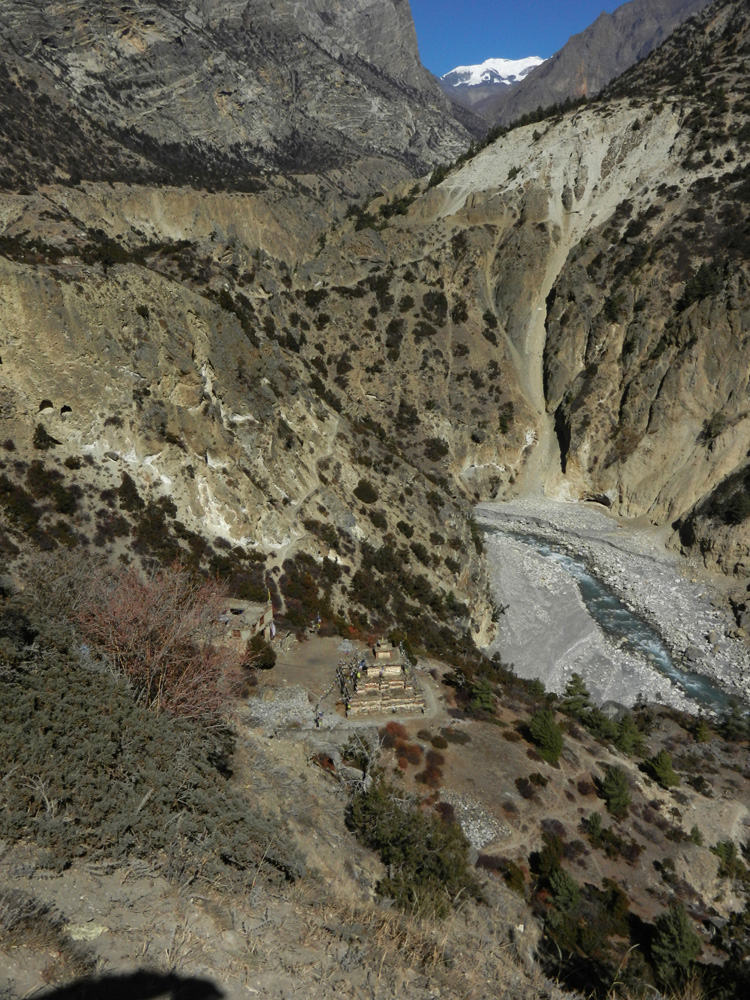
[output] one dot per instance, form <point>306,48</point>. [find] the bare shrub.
<point>455,736</point>
<point>431,776</point>
<point>393,732</point>
<point>525,789</point>
<point>446,812</point>
<point>554,828</point>
<point>163,633</point>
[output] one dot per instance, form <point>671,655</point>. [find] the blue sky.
<point>464,32</point>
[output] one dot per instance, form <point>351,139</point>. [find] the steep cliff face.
<point>170,350</point>
<point>296,86</point>
<point>566,312</point>
<point>646,359</point>
<point>589,60</point>
<point>592,276</point>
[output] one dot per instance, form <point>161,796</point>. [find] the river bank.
<point>547,631</point>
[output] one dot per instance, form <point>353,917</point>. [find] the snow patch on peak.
<point>500,71</point>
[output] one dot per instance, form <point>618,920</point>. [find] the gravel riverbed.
<point>547,632</point>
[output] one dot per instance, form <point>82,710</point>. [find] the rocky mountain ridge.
<point>262,85</point>
<point>435,331</point>
<point>589,60</point>
<point>302,389</point>
<point>472,86</point>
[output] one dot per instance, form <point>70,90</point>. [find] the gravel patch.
<point>479,826</point>
<point>288,708</point>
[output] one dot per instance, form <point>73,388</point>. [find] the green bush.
<point>505,418</point>
<point>435,449</point>
<point>426,858</point>
<point>514,878</point>
<point>438,175</point>
<point>326,532</point>
<point>546,734</point>
<point>459,312</point>
<point>476,535</point>
<point>379,519</point>
<point>628,738</point>
<point>482,697</point>
<point>737,508</point>
<point>564,889</point>
<point>612,306</point>
<point>730,864</point>
<point>547,861</point>
<point>365,491</point>
<point>47,483</point>
<point>605,839</point>
<point>420,552</point>
<point>128,495</point>
<point>19,506</point>
<point>261,654</point>
<point>435,307</point>
<point>706,283</point>
<point>713,426</point>
<point>87,773</point>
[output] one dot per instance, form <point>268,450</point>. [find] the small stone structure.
<point>380,681</point>
<point>245,620</point>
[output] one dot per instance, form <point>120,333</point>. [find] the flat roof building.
<point>244,620</point>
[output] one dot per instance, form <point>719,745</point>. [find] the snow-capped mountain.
<point>504,72</point>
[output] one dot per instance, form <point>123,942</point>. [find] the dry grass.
<point>26,922</point>
<point>468,954</point>
<point>692,990</point>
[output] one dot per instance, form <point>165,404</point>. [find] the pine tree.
<point>675,946</point>
<point>701,731</point>
<point>616,792</point>
<point>576,701</point>
<point>546,734</point>
<point>660,768</point>
<point>629,738</point>
<point>564,889</point>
